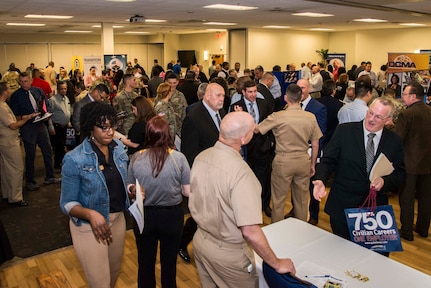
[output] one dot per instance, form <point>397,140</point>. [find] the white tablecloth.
<point>315,251</point>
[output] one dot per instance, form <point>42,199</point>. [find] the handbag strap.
<point>370,202</point>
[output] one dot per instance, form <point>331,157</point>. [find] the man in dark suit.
<point>259,147</point>
<point>189,87</point>
<point>413,126</point>
<point>263,88</point>
<point>200,131</point>
<point>332,106</point>
<point>346,155</point>
<point>99,93</point>
<point>319,110</point>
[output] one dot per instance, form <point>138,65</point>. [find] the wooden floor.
<point>24,272</point>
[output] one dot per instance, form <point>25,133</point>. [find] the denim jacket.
<point>83,183</point>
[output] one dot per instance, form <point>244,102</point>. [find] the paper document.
<point>382,167</point>
<point>137,208</point>
<point>42,118</point>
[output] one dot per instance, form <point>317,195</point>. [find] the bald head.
<point>305,87</point>
<point>236,129</point>
<point>214,96</point>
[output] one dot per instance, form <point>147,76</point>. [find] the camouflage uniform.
<point>123,103</point>
<point>179,104</point>
<point>166,110</point>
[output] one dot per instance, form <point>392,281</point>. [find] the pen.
<point>322,276</point>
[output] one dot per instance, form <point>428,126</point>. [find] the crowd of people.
<point>227,142</point>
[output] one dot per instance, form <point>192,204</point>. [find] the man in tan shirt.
<point>292,167</point>
<point>225,202</point>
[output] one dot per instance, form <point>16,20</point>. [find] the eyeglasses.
<point>105,129</point>
<point>378,117</point>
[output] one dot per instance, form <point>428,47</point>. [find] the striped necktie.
<point>369,151</point>
<point>252,112</point>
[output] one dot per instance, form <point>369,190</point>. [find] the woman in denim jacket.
<point>94,195</point>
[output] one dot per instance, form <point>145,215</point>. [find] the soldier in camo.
<point>178,102</point>
<point>122,103</point>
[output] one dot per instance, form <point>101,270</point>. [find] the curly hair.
<point>96,114</point>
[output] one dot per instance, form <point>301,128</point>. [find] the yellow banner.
<point>77,63</point>
<point>404,62</point>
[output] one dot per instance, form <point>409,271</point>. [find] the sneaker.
<point>32,186</point>
<point>52,181</point>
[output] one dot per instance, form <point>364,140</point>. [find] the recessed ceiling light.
<point>25,24</point>
<point>321,29</point>
<point>77,31</point>
<point>276,27</point>
<point>47,16</point>
<point>137,32</point>
<point>113,26</point>
<point>230,7</point>
<point>154,21</point>
<point>370,20</point>
<point>312,14</point>
<point>412,24</point>
<point>219,23</point>
<point>215,30</point>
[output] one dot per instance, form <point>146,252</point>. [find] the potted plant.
<point>323,53</point>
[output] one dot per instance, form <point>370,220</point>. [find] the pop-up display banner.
<point>405,62</point>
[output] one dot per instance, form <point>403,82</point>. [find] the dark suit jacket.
<point>332,106</point>
<point>262,89</point>
<point>198,132</point>
<point>414,127</point>
<point>260,145</point>
<point>189,88</point>
<point>77,112</point>
<point>319,110</point>
<point>345,155</point>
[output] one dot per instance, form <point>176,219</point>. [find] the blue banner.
<point>376,230</point>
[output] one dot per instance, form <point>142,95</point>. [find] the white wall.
<point>22,49</point>
<point>269,47</point>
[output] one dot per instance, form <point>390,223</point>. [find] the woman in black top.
<point>144,111</point>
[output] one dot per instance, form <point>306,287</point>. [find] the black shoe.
<point>407,236</point>
<point>290,214</point>
<point>184,255</point>
<point>424,235</point>
<point>268,211</point>
<point>313,221</point>
<point>21,203</point>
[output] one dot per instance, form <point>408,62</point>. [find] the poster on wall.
<point>77,63</point>
<point>337,60</point>
<point>404,68</point>
<point>115,62</point>
<point>92,61</point>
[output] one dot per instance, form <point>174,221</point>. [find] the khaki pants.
<point>223,264</point>
<point>294,173</point>
<point>101,263</point>
<point>12,169</point>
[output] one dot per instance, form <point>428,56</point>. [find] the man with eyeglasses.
<point>351,152</point>
<point>99,93</point>
<point>413,125</point>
